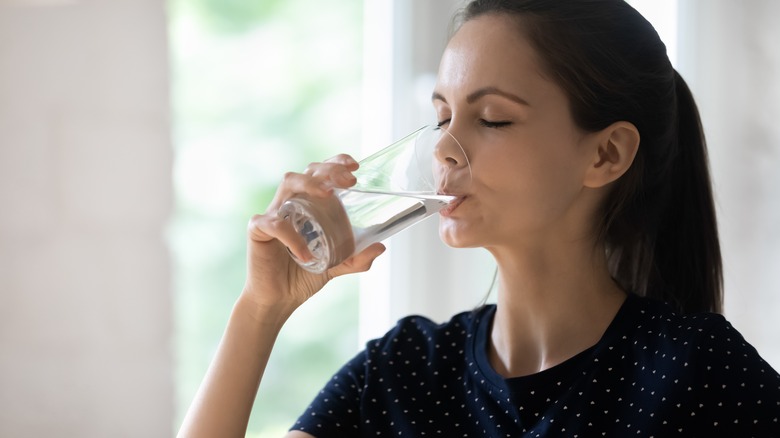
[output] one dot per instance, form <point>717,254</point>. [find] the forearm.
<point>224,400</point>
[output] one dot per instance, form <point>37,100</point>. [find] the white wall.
<point>85,194</point>
<point>730,56</point>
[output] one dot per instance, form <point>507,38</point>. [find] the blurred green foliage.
<point>235,15</point>
<point>258,88</point>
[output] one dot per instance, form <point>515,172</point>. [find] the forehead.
<point>492,50</point>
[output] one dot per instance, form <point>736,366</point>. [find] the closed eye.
<point>496,124</point>
<point>442,123</point>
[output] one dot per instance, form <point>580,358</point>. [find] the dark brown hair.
<point>658,222</point>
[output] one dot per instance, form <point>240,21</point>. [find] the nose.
<point>452,168</point>
<point>449,150</point>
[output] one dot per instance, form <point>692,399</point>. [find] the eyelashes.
<point>495,124</point>
<point>486,123</point>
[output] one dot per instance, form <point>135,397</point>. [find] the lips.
<point>447,211</point>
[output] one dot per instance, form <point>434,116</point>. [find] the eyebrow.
<point>482,92</point>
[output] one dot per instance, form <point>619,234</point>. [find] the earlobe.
<point>615,151</point>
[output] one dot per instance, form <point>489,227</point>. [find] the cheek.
<point>517,189</point>
<point>532,190</point>
<point>553,164</point>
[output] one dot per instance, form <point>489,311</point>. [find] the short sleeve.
<point>335,411</point>
<point>390,385</point>
<point>739,390</point>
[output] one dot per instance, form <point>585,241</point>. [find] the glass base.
<point>295,210</point>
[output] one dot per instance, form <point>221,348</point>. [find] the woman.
<point>591,190</point>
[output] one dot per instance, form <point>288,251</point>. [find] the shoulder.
<point>420,330</point>
<point>648,330</point>
<point>712,346</point>
<point>419,342</point>
<point>652,317</point>
<point>696,369</point>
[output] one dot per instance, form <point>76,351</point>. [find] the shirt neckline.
<point>478,350</point>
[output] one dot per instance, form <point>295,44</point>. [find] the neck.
<point>551,306</point>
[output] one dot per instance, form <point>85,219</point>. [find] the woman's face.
<point>527,156</point>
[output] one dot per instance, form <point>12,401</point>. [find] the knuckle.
<point>256,220</point>
<point>342,158</point>
<point>289,176</point>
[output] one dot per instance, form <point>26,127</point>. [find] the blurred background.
<point>137,137</point>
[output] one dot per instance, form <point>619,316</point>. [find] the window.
<point>258,88</point>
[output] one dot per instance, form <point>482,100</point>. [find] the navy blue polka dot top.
<point>653,374</point>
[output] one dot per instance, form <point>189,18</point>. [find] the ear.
<point>615,150</point>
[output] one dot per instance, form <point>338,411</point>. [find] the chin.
<point>455,236</point>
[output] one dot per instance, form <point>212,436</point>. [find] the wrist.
<point>267,314</point>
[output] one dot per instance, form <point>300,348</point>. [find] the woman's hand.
<point>274,279</point>
<point>275,286</point>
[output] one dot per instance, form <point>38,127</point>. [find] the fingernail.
<point>347,175</point>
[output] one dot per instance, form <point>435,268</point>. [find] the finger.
<point>345,160</point>
<point>359,262</point>
<point>336,173</point>
<point>266,228</point>
<point>318,180</point>
<point>297,183</point>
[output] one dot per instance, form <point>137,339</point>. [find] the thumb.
<point>360,262</point>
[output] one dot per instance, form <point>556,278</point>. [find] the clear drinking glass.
<point>396,188</point>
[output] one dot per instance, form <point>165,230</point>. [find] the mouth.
<point>454,204</point>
